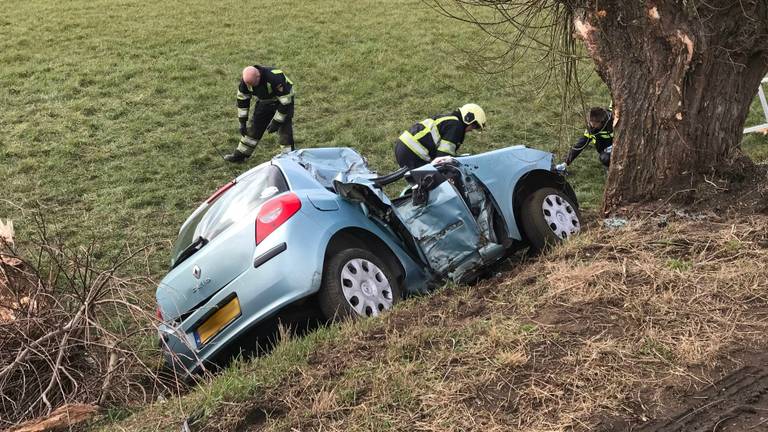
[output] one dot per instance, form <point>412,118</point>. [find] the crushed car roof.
<point>329,164</point>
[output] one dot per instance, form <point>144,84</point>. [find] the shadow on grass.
<point>293,321</point>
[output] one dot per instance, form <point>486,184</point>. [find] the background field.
<point>111,109</point>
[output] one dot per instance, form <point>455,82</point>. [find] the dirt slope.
<point>618,330</point>
<point>739,401</point>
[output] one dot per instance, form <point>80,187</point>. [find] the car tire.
<point>357,283</point>
<point>548,217</point>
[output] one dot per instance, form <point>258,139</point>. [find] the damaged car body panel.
<point>443,225</point>
<point>443,228</point>
<point>455,228</point>
<point>271,238</point>
<point>500,171</point>
<point>325,165</point>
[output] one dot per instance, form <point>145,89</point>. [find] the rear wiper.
<point>190,250</point>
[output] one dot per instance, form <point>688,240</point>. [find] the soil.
<point>736,400</point>
<point>721,195</point>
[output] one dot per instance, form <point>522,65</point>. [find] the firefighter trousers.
<point>263,113</point>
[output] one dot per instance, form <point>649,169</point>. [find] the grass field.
<point>111,109</point>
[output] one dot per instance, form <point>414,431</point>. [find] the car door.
<point>443,227</point>
<point>434,222</point>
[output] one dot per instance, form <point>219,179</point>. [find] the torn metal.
<point>447,213</point>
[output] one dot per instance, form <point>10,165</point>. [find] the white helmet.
<point>472,113</point>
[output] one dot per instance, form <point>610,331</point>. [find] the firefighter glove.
<point>441,160</point>
<point>561,167</point>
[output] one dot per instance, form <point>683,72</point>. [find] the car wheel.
<point>548,217</point>
<point>357,283</point>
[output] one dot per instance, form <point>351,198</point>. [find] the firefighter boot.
<point>236,157</point>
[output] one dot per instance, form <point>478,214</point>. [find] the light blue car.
<point>316,226</point>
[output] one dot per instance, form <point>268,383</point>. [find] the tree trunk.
<point>682,78</point>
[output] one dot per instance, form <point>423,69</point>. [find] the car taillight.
<point>274,213</point>
<point>159,313</point>
<point>220,192</point>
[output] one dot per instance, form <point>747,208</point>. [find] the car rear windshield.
<point>235,204</point>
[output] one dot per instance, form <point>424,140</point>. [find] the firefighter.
<point>600,133</point>
<point>437,136</point>
<point>273,112</point>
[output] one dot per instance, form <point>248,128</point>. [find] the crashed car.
<point>316,226</point>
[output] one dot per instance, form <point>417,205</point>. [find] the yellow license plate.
<point>216,322</point>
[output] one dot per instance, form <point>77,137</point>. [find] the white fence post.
<point>761,94</point>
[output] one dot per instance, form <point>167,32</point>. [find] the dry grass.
<point>601,334</point>
<point>595,329</point>
<point>73,331</point>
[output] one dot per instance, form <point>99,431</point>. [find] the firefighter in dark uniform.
<point>437,136</point>
<point>600,133</point>
<point>273,112</point>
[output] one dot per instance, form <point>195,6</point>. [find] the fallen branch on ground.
<point>76,334</point>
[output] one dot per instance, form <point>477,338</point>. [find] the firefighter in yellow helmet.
<point>441,135</point>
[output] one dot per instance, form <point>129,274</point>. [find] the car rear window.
<point>238,202</point>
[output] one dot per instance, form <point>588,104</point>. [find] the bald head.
<point>251,76</point>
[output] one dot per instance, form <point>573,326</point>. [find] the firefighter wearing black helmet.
<point>599,134</point>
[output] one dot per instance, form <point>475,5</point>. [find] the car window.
<point>235,204</point>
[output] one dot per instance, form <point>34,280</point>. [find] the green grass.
<point>679,264</point>
<point>110,108</point>
<point>756,144</point>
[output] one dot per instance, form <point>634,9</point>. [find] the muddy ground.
<point>736,402</point>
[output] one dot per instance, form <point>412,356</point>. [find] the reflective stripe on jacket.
<point>435,136</point>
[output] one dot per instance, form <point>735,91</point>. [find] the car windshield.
<point>235,204</point>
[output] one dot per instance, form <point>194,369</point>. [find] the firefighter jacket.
<point>440,135</point>
<point>273,86</point>
<point>602,138</point>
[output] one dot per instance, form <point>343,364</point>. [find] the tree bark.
<point>682,77</point>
